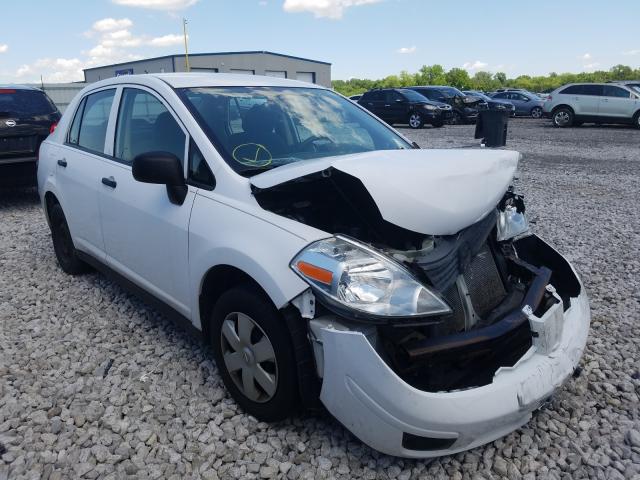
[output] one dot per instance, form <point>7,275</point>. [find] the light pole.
<point>186,49</point>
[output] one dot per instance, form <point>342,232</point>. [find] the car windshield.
<point>413,96</point>
<point>478,94</point>
<point>260,128</point>
<point>24,103</point>
<point>451,92</point>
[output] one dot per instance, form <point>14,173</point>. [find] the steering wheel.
<point>312,140</point>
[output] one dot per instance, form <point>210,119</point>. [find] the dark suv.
<point>401,105</point>
<point>27,116</point>
<point>464,108</point>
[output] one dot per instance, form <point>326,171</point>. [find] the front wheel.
<point>562,118</point>
<point>254,354</point>
<point>536,112</point>
<point>415,120</point>
<point>636,120</point>
<point>456,119</point>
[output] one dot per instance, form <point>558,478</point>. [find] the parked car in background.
<point>27,116</point>
<point>492,103</point>
<point>578,103</point>
<point>323,258</point>
<point>526,103</point>
<point>355,98</point>
<point>465,108</point>
<point>633,84</point>
<point>401,105</point>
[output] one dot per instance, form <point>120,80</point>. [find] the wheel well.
<point>216,281</point>
<point>563,106</point>
<point>50,200</point>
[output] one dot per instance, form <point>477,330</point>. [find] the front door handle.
<point>109,182</point>
<point>63,162</point>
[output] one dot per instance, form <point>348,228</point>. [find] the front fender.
<point>222,235</point>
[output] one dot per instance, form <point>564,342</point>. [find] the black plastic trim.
<point>421,444</point>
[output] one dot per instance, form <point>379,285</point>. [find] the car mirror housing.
<point>161,168</point>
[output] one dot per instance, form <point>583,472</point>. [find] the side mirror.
<point>161,168</point>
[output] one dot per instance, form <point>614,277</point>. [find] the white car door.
<point>617,102</point>
<point>145,235</point>
<point>79,163</point>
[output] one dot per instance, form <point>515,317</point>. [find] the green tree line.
<point>485,81</point>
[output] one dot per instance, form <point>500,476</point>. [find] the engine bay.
<point>486,282</point>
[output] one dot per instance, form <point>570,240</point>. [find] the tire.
<point>66,253</point>
<point>636,120</point>
<point>245,327</point>
<point>415,120</point>
<point>563,117</point>
<point>456,119</point>
<point>438,124</point>
<point>536,112</point>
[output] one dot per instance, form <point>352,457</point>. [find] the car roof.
<point>201,79</point>
<point>19,87</point>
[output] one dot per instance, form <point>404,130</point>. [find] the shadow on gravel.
<point>17,197</point>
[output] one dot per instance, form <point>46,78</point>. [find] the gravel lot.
<point>94,384</point>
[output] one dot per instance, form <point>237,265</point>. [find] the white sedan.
<point>323,256</point>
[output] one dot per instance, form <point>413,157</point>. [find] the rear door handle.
<point>63,162</point>
<point>109,182</point>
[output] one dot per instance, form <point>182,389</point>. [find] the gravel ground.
<point>94,384</point>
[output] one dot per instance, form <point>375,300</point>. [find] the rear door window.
<point>611,91</point>
<point>573,90</point>
<point>145,125</point>
<point>95,117</point>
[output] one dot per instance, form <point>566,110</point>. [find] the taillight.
<point>549,98</point>
<point>7,90</point>
<point>52,128</point>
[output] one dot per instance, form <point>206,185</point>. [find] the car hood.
<point>433,192</point>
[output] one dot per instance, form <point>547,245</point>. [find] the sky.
<point>361,38</point>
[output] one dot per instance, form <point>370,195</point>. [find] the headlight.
<point>512,221</point>
<point>430,107</point>
<point>349,275</point>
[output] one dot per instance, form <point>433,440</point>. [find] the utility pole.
<point>186,49</point>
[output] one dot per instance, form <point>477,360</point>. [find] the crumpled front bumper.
<point>377,406</point>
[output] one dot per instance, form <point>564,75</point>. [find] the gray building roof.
<point>142,60</point>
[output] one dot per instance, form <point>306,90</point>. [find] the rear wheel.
<point>636,120</point>
<point>66,252</point>
<point>254,353</point>
<point>415,120</point>
<point>563,117</point>
<point>536,112</point>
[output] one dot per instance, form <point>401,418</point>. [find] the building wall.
<point>259,63</point>
<point>158,65</point>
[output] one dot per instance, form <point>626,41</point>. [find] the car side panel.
<point>221,234</point>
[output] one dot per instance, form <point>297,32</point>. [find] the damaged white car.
<point>327,260</point>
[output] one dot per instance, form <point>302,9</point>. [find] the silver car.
<point>575,104</point>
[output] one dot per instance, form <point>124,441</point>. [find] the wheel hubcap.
<point>414,121</point>
<point>562,118</point>
<point>249,357</point>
